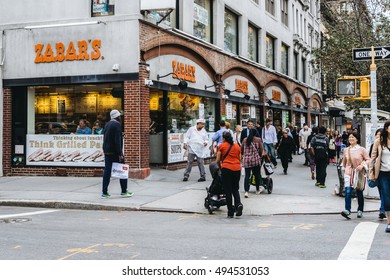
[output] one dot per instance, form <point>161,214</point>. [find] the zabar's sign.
<point>80,50</point>
<point>241,86</point>
<point>276,95</point>
<point>183,71</point>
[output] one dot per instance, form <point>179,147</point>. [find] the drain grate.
<point>14,220</point>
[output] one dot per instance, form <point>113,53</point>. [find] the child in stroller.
<point>215,194</point>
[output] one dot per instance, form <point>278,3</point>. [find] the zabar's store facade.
<point>53,76</point>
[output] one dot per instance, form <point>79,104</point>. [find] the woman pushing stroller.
<point>229,162</point>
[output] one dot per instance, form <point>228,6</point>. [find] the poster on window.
<point>65,150</point>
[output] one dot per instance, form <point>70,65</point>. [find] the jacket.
<point>376,158</point>
<point>113,138</point>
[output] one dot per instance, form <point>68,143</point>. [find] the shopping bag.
<point>120,170</point>
<point>268,168</point>
<point>359,180</point>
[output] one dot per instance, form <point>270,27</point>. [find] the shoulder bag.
<point>358,178</point>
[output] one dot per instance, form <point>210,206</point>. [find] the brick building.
<point>164,66</point>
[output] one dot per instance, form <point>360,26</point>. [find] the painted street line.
<point>28,214</point>
<point>359,244</point>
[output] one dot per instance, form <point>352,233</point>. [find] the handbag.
<point>359,180</point>
<point>120,170</point>
<point>268,168</point>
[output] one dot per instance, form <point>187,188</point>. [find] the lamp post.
<point>374,108</point>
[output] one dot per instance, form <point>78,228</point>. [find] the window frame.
<point>272,40</point>
<point>270,6</point>
<point>256,41</point>
<point>284,12</point>
<point>209,29</point>
<point>107,8</point>
<point>236,51</point>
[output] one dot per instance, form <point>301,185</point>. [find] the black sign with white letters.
<point>364,54</point>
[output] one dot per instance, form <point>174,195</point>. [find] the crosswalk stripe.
<point>27,214</point>
<point>359,244</point>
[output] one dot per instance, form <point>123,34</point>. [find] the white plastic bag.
<point>120,170</point>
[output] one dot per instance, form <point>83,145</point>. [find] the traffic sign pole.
<point>374,108</point>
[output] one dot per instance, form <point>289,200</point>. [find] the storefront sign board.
<point>64,150</point>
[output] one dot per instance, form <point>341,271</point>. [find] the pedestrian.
<point>97,128</point>
<point>285,148</point>
<point>245,132</point>
<point>113,152</point>
<point>217,138</point>
<point>229,161</point>
<point>380,168</point>
<point>295,135</point>
<point>382,214</point>
<point>332,149</point>
<point>195,142</point>
<point>251,150</point>
<point>227,125</point>
<point>258,128</point>
<point>319,147</point>
<point>338,142</point>
<point>344,138</point>
<point>269,139</point>
<point>304,133</point>
<point>312,161</point>
<point>355,159</point>
<point>83,128</point>
<point>237,134</point>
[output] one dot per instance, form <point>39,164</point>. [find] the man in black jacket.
<point>245,131</point>
<point>113,152</point>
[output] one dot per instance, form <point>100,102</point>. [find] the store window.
<point>270,52</point>
<point>304,70</point>
<point>59,109</point>
<point>102,8</point>
<point>231,32</point>
<point>253,43</point>
<point>284,58</point>
<point>295,66</point>
<point>185,109</point>
<point>157,17</point>
<point>202,19</point>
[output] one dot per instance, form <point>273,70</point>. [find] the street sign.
<point>364,54</point>
<point>346,87</point>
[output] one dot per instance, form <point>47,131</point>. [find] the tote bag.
<point>120,170</point>
<point>359,180</point>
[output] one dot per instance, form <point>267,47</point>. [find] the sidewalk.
<point>164,190</point>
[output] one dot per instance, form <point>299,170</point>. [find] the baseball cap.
<point>200,121</point>
<point>114,114</point>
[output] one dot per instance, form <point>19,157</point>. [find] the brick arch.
<point>279,84</point>
<point>315,97</point>
<point>244,73</point>
<point>175,49</point>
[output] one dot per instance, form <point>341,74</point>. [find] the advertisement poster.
<point>176,151</point>
<point>65,150</point>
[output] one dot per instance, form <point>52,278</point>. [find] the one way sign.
<point>365,53</point>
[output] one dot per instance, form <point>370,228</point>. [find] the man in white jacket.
<point>195,141</point>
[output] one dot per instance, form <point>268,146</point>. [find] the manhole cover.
<point>14,220</point>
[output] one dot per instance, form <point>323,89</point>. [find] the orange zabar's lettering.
<point>183,71</point>
<point>38,52</point>
<point>242,86</point>
<point>276,95</point>
<point>71,53</point>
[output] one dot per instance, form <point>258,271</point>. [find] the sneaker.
<point>317,184</point>
<point>257,192</point>
<point>285,172</point>
<point>359,214</point>
<point>346,214</point>
<point>201,179</point>
<point>128,194</point>
<point>387,229</point>
<point>322,186</point>
<point>239,210</point>
<point>246,194</point>
<point>185,179</point>
<point>382,215</point>
<point>106,195</point>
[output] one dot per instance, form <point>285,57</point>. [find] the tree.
<point>357,24</point>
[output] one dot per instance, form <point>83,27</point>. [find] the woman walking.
<point>285,148</point>
<point>380,168</point>
<point>229,162</point>
<point>355,159</point>
<point>251,150</point>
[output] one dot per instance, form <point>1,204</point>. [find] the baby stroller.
<point>266,170</point>
<point>215,194</point>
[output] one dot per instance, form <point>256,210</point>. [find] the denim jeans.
<point>256,172</point>
<point>384,182</point>
<point>108,160</point>
<point>270,151</point>
<point>348,199</point>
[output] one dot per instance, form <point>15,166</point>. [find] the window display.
<point>202,20</point>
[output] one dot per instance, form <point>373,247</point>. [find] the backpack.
<point>320,148</point>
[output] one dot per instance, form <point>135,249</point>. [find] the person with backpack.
<point>319,148</point>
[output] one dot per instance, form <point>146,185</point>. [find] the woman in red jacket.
<point>229,162</point>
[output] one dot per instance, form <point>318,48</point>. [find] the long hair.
<point>228,137</point>
<point>385,134</point>
<point>252,133</point>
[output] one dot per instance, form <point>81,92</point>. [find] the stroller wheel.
<point>270,185</point>
<point>206,203</point>
<point>210,209</point>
